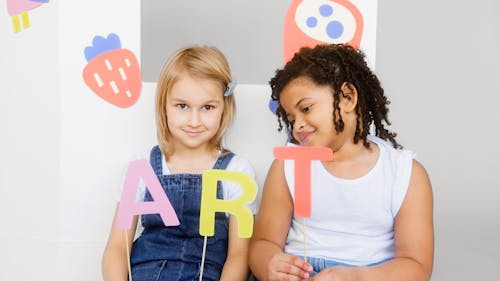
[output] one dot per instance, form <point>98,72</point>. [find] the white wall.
<point>30,146</point>
<point>62,147</point>
<point>96,137</point>
<point>438,61</point>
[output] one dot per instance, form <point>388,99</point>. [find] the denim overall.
<point>174,253</point>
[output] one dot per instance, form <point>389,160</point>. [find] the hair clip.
<point>229,89</point>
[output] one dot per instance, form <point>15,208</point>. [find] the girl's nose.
<point>299,125</point>
<point>194,119</point>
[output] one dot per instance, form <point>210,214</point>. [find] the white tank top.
<point>352,220</point>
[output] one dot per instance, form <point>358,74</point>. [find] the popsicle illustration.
<point>18,10</point>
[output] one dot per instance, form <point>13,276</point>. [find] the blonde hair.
<point>202,62</point>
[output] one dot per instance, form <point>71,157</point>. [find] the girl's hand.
<point>288,267</point>
<point>336,273</point>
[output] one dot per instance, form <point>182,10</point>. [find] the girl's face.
<point>194,111</point>
<point>309,109</point>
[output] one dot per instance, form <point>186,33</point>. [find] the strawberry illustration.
<point>113,73</point>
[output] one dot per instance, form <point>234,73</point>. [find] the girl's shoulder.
<point>392,154</point>
<point>399,165</point>
<point>232,190</point>
<point>242,165</point>
<point>239,163</point>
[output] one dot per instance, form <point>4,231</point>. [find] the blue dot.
<point>273,106</point>
<point>311,22</point>
<point>334,29</point>
<point>325,10</point>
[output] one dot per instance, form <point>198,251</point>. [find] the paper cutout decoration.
<point>210,204</point>
<point>273,106</point>
<point>113,73</point>
<point>18,10</point>
<point>312,22</point>
<point>128,207</point>
<point>302,156</point>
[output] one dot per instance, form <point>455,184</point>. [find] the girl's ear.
<point>348,97</point>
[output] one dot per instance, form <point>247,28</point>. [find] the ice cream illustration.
<point>18,10</point>
<point>311,22</point>
<point>113,73</point>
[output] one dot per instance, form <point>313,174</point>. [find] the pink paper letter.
<point>302,155</point>
<point>129,207</point>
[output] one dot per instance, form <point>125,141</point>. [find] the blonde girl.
<point>194,107</point>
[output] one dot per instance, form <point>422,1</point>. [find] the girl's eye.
<point>306,109</point>
<point>182,105</point>
<point>208,107</point>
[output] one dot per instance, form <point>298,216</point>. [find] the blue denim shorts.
<point>319,264</point>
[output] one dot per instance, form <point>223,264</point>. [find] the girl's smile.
<point>193,133</point>
<point>305,137</point>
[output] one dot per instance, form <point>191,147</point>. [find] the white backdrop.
<point>64,149</point>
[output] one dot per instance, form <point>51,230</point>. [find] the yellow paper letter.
<point>210,204</point>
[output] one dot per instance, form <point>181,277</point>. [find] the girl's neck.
<point>353,160</point>
<point>349,152</point>
<point>189,161</point>
<point>344,148</point>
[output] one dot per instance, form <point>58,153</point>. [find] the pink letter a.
<point>129,207</point>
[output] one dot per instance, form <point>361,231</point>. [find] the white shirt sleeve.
<point>232,190</point>
<point>402,179</point>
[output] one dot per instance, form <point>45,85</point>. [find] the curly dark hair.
<point>333,65</point>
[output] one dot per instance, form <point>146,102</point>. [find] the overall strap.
<point>156,163</point>
<point>155,160</point>
<point>223,161</point>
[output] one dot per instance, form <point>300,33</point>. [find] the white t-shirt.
<point>352,220</point>
<point>231,190</point>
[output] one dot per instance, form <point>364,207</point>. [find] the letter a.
<point>129,207</point>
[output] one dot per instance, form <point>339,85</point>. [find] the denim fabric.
<point>174,253</point>
<point>319,264</point>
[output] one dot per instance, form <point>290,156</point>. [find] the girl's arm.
<point>266,257</point>
<point>236,265</point>
<point>414,238</point>
<point>114,260</point>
